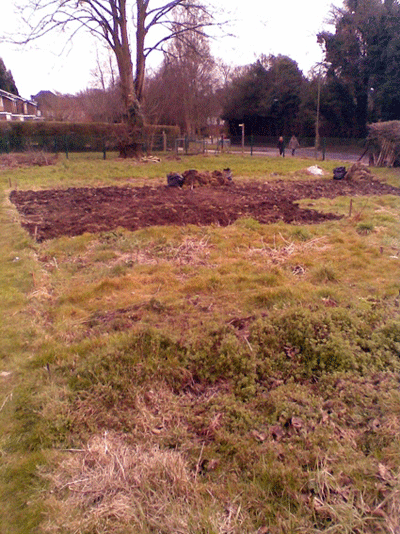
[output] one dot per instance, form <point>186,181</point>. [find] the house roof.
<point>11,96</point>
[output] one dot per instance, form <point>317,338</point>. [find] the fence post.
<point>104,148</point>
<point>66,145</point>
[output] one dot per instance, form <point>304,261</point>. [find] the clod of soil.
<point>53,213</point>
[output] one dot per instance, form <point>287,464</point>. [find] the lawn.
<point>201,379</point>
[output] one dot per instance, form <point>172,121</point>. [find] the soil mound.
<point>358,171</point>
<point>194,178</point>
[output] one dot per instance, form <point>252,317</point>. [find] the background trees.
<point>266,96</point>
<point>110,21</point>
<point>6,80</point>
<point>357,84</point>
<point>183,89</point>
<point>363,63</point>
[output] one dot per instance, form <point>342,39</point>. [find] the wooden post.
<point>351,207</point>
<point>104,148</point>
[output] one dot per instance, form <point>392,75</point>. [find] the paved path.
<point>310,153</point>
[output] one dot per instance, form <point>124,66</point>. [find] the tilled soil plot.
<point>53,213</point>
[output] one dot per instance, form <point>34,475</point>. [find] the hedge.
<point>60,136</point>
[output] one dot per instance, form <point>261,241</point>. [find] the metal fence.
<point>330,148</point>
<point>79,143</point>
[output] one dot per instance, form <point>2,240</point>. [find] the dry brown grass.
<point>190,252</point>
<point>111,486</point>
<point>351,511</point>
<point>280,254</point>
<point>111,481</point>
<point>26,159</point>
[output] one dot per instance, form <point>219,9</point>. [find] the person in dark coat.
<point>281,147</point>
<point>293,144</point>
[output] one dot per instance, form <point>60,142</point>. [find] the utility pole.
<point>317,138</point>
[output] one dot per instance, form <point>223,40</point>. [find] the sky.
<point>267,27</point>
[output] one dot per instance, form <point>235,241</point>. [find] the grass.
<point>201,380</point>
<point>81,170</point>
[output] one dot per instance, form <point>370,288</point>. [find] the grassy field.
<point>237,380</point>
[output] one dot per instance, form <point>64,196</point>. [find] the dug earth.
<point>74,211</point>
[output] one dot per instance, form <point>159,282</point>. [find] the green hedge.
<point>62,136</point>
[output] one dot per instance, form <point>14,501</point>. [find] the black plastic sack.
<point>339,173</point>
<point>175,180</point>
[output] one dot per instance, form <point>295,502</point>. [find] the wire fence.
<point>337,148</point>
<point>10,142</point>
<point>329,148</point>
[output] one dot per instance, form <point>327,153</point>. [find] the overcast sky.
<point>288,27</point>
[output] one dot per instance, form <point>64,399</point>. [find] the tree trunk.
<point>140,38</point>
<point>130,146</point>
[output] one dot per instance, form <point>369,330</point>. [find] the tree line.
<point>356,84</point>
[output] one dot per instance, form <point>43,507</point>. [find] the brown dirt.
<point>53,213</point>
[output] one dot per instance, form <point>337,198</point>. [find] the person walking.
<point>293,144</point>
<point>281,147</point>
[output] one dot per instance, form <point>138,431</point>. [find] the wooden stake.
<point>351,207</point>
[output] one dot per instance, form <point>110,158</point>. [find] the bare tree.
<point>110,21</point>
<point>101,105</point>
<point>59,107</point>
<point>104,74</point>
<point>186,82</point>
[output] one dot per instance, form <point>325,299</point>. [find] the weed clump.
<point>365,228</point>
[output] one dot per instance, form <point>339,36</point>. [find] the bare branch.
<point>107,20</point>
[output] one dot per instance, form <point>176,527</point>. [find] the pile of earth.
<point>358,171</point>
<point>53,213</point>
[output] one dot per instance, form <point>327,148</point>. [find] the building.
<point>16,108</point>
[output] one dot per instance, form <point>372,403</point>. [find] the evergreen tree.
<point>363,62</point>
<point>265,96</point>
<point>6,80</point>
